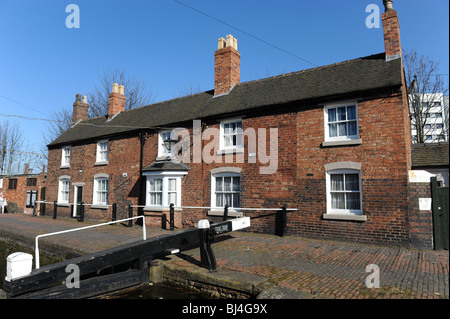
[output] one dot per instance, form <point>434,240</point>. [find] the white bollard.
<point>203,224</point>
<point>18,265</point>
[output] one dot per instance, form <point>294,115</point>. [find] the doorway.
<point>78,196</point>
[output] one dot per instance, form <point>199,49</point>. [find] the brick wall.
<point>123,157</point>
<point>383,155</point>
<point>299,181</point>
<point>19,194</point>
<point>420,220</point>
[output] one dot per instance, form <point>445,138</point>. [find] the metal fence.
<point>280,213</point>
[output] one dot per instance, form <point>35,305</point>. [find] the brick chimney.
<point>117,100</point>
<point>391,29</point>
<point>80,109</point>
<point>227,65</point>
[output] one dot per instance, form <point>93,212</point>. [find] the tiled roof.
<point>165,166</point>
<point>429,155</point>
<point>349,77</point>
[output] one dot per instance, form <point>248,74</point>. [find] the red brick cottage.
<point>332,141</point>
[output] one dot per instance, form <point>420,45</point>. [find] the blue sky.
<point>44,64</point>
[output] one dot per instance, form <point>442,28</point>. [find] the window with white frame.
<point>31,199</point>
<point>64,190</point>
<point>155,191</point>
<point>341,122</point>
<point>226,190</point>
<point>101,185</point>
<point>344,192</point>
<point>102,152</point>
<point>65,157</point>
<point>163,188</point>
<point>231,135</point>
<point>162,150</point>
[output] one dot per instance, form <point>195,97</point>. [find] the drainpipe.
<point>142,139</point>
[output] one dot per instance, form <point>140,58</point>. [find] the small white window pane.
<point>219,200</point>
<point>341,114</point>
<point>228,199</point>
<point>337,200</point>
<point>158,185</point>
<point>236,184</point>
<point>227,128</point>
<point>333,130</point>
<point>351,112</point>
<point>351,182</point>
<point>227,184</point>
<point>173,198</point>
<point>342,127</point>
<point>219,181</point>
<point>156,199</point>
<point>236,202</point>
<point>352,128</point>
<point>331,115</point>
<point>337,182</point>
<point>172,185</point>
<point>353,201</point>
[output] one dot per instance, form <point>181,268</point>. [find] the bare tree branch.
<point>135,90</point>
<point>426,91</point>
<point>11,142</point>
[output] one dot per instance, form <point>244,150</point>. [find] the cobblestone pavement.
<point>336,269</point>
<point>328,269</point>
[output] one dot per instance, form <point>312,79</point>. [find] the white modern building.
<point>432,108</point>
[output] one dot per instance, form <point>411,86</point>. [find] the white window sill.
<point>219,212</point>
<point>99,206</point>
<point>361,218</point>
<point>65,166</point>
<point>101,163</point>
<point>161,209</point>
<point>342,142</point>
<point>235,150</point>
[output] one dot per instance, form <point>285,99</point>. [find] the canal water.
<point>157,291</point>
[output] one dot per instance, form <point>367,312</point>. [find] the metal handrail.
<point>210,207</point>
<point>144,233</point>
<point>65,204</point>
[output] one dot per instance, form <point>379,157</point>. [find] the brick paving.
<point>326,269</point>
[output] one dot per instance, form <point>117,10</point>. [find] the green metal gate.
<point>440,198</point>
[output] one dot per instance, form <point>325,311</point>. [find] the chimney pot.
<point>388,5</point>
<point>121,89</point>
<point>115,88</point>
<point>221,44</point>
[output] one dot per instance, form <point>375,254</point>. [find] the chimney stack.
<point>80,109</point>
<point>391,29</point>
<point>227,65</point>
<point>117,100</point>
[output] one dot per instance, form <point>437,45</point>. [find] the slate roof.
<point>352,76</point>
<point>166,166</point>
<point>429,155</point>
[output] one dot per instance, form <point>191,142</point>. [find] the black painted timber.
<point>91,287</point>
<point>46,276</point>
<point>138,253</point>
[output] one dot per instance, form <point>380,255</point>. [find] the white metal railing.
<point>65,204</point>
<point>209,207</point>
<point>193,207</point>
<point>144,233</point>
